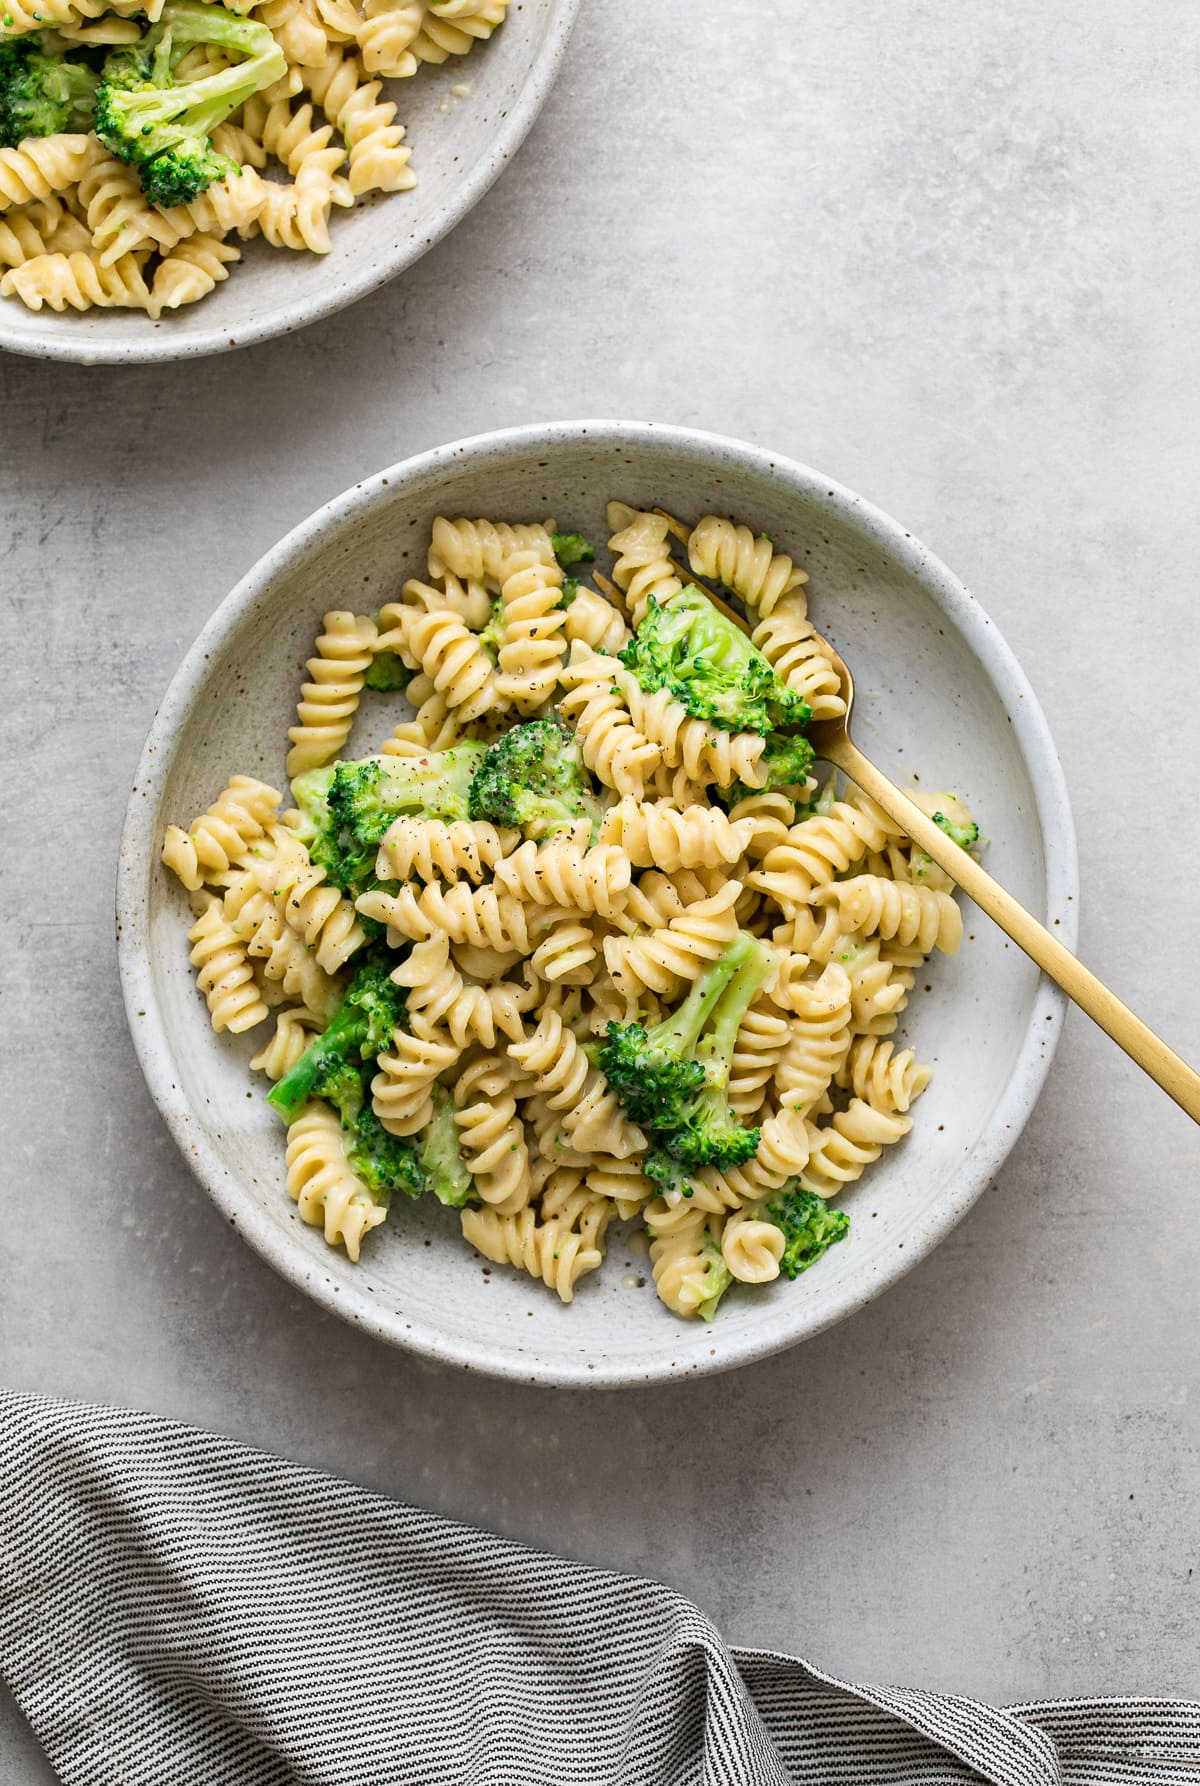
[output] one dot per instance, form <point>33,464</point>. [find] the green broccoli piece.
<point>533,778</point>
<point>492,636</point>
<point>673,1079</point>
<point>385,1163</point>
<point>361,1027</point>
<point>346,810</point>
<point>571,548</point>
<point>809,1226</point>
<point>965,836</point>
<point>41,93</point>
<point>570,589</point>
<point>165,129</point>
<point>711,667</point>
<point>388,672</point>
<point>446,1172</point>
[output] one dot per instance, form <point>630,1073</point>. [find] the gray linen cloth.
<point>179,1609</point>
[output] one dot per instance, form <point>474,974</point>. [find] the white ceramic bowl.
<point>939,696</point>
<point>457,153</point>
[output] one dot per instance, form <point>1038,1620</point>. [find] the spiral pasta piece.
<point>613,748</point>
<point>854,1140</point>
<point>320,1182</point>
<point>770,815</point>
<point>705,752</point>
<point>294,1027</point>
<point>760,1045</point>
<point>752,1248</point>
<point>623,1183</point>
<point>566,954</point>
<point>480,550</point>
<point>428,849</point>
<point>117,213</point>
<point>434,726</point>
<point>402,1089</point>
<point>329,700</point>
<point>481,916</point>
<point>664,959</point>
<point>78,281</point>
<point>532,642</point>
<point>305,148</point>
<point>878,987</point>
<point>442,36</point>
<point>596,1124</point>
<point>295,216</point>
<point>450,656</point>
<point>559,1251</point>
<point>886,1080</point>
<point>643,566</point>
<point>816,850</point>
<point>22,237</point>
<point>819,1038</point>
<point>231,203</point>
<point>746,564</point>
<point>224,836</point>
<point>685,1264</point>
<point>439,997</point>
<point>316,911</point>
<point>915,916</point>
<point>42,166</point>
<point>653,834</point>
<point>552,1060</point>
<point>189,272</point>
<point>297,28</point>
<point>286,960</point>
<point>493,1136</point>
<point>595,622</point>
<point>788,641</point>
<point>385,36</point>
<point>223,972</point>
<point>565,874</point>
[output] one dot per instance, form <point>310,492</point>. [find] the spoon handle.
<point>1129,1032</point>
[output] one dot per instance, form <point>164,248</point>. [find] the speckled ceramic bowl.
<point>460,144</point>
<point>939,696</point>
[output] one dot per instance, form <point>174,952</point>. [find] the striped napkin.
<point>178,1610</point>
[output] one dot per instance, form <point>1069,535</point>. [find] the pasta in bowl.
<point>293,153</point>
<point>560,925</point>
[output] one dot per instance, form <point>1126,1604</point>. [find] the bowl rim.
<point>361,1309</point>
<point>162,346</point>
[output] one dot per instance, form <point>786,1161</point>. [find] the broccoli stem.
<point>337,1040</point>
<point>681,1031</point>
<point>751,965</point>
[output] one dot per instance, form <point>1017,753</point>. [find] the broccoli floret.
<point>347,809</point>
<point>385,1163</point>
<point>571,548</point>
<point>711,667</point>
<point>388,672</point>
<point>570,589</point>
<point>40,93</point>
<point>533,778</point>
<point>673,1079</point>
<point>446,1172</point>
<point>965,836</point>
<point>809,1225</point>
<point>165,129</point>
<point>361,1027</point>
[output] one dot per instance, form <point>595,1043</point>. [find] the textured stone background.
<point>946,251</point>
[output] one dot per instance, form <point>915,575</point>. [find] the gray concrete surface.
<point>946,251</point>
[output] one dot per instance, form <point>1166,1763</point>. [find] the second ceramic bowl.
<point>461,142</point>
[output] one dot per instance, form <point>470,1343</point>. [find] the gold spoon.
<point>831,740</point>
